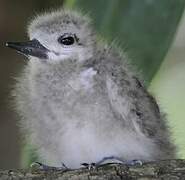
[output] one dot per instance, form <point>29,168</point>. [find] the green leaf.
<point>145,27</point>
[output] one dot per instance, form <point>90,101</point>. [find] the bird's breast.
<point>78,95</point>
<point>84,81</point>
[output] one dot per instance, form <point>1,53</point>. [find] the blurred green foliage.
<point>146,28</point>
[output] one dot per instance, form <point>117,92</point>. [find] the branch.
<point>167,169</point>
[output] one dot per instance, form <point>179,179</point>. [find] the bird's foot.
<point>111,159</point>
<point>39,166</point>
<point>114,159</point>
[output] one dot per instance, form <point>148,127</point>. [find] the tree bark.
<point>167,169</point>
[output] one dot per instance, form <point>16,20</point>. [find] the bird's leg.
<point>112,159</point>
<point>40,166</point>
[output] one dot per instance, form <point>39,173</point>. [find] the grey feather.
<point>84,103</point>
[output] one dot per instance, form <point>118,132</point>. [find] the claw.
<point>89,166</point>
<point>36,166</point>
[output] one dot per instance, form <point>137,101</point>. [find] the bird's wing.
<point>131,102</point>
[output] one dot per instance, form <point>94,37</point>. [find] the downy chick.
<point>80,102</point>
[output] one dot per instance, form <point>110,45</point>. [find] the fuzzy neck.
<point>63,67</point>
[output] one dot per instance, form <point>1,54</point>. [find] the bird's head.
<point>58,36</point>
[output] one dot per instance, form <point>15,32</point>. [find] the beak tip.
<point>7,44</point>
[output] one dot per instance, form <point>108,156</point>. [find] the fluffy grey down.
<point>83,102</point>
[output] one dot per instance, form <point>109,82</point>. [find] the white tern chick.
<point>78,100</point>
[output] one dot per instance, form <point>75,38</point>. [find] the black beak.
<point>31,48</point>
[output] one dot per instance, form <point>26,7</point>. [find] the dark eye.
<point>66,40</point>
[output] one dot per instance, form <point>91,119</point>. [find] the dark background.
<point>14,16</point>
